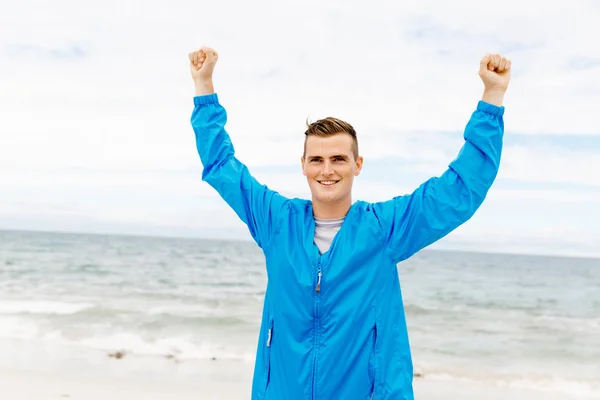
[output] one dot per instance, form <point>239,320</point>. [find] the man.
<point>333,324</point>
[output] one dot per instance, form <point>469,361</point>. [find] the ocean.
<point>72,301</point>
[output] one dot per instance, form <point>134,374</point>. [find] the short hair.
<point>328,127</point>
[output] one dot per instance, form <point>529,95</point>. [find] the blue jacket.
<point>333,325</point>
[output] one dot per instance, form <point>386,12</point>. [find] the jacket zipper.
<point>316,327</point>
<point>319,275</point>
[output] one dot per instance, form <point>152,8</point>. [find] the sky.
<point>96,99</point>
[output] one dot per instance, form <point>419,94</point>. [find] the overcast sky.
<point>96,98</point>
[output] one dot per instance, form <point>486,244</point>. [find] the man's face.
<point>330,167</point>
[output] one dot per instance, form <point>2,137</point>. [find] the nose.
<point>327,168</point>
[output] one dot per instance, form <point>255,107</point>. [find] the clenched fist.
<point>494,71</point>
<point>202,64</point>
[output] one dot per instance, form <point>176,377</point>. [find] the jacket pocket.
<point>373,363</point>
<point>268,344</point>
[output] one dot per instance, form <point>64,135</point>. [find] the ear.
<point>359,164</point>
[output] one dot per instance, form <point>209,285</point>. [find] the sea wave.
<point>179,345</point>
<point>42,307</point>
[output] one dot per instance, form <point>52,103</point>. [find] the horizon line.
<point>429,248</point>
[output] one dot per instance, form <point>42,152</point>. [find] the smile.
<point>328,183</point>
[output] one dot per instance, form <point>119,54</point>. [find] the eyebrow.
<point>334,156</point>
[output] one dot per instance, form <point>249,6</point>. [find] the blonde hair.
<point>328,127</point>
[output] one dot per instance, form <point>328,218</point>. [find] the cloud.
<point>582,63</point>
<point>41,54</point>
<point>550,165</point>
<point>100,135</point>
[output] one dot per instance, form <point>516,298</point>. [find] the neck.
<point>331,210</point>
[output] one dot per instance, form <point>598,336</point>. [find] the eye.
<point>339,158</point>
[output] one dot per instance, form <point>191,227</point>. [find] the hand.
<point>494,71</point>
<point>202,64</point>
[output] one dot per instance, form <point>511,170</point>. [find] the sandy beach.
<point>67,373</point>
<point>227,382</point>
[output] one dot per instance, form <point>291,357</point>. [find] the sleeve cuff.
<point>490,108</point>
<point>206,99</point>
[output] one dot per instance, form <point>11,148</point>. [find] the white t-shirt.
<point>325,230</point>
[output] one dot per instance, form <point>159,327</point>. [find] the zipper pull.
<point>318,288</point>
<point>269,337</point>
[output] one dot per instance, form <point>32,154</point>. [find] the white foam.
<point>183,347</point>
<point>42,307</point>
<point>13,327</point>
<point>575,387</point>
<point>568,323</point>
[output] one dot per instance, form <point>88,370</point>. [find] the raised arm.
<point>443,203</point>
<point>256,205</point>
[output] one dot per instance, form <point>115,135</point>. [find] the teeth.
<point>327,182</point>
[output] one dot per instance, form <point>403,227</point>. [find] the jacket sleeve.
<point>255,204</point>
<point>443,203</point>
